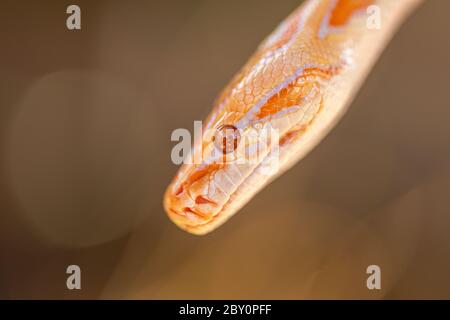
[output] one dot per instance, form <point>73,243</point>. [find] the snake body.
<point>299,81</point>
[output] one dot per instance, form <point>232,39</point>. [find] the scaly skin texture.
<point>300,81</point>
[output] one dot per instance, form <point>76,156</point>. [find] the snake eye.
<point>226,138</point>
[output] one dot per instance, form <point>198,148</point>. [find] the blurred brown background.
<point>85,123</point>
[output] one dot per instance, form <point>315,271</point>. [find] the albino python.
<point>300,81</point>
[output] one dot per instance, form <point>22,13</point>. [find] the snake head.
<point>200,196</point>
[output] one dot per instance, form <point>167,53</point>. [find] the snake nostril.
<point>179,190</point>
<point>202,200</point>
